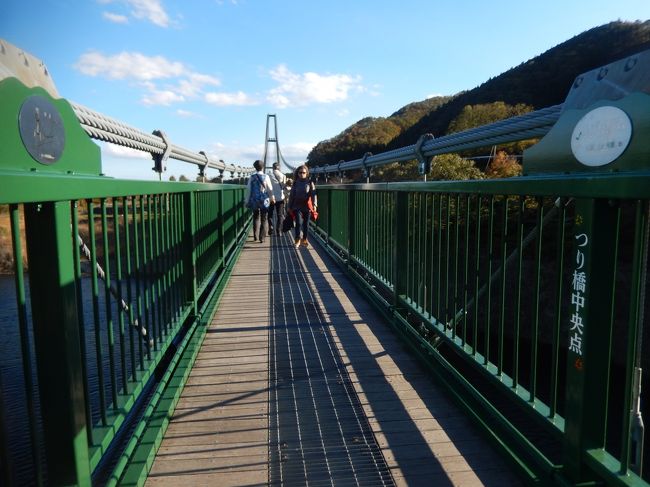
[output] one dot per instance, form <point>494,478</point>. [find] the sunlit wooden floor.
<point>222,432</point>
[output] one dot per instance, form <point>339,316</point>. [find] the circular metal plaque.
<point>41,129</point>
<point>601,136</point>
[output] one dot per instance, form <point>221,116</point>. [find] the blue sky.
<point>207,72</point>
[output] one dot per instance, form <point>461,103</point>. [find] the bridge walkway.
<point>300,382</point>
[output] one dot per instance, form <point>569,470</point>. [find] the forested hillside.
<point>540,82</point>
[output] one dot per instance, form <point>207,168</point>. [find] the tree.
<point>172,178</point>
<point>183,178</point>
<point>452,167</point>
<point>445,167</point>
<point>503,166</point>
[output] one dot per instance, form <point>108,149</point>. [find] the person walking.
<point>259,197</point>
<point>303,203</point>
<point>276,211</point>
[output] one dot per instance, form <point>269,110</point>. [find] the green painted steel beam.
<point>18,187</point>
<point>56,341</point>
<point>616,185</point>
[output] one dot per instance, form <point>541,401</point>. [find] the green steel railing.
<point>115,282</point>
<point>526,296</point>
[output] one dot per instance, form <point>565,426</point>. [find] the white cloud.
<point>187,114</point>
<point>129,65</point>
<point>305,89</point>
<point>115,18</point>
<point>150,10</point>
<point>244,155</point>
<point>183,84</point>
<point>162,97</point>
<point>223,99</point>
<point>121,152</point>
<point>193,85</point>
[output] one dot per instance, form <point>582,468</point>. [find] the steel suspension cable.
<point>107,129</point>
<point>527,126</point>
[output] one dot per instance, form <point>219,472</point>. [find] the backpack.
<point>259,197</point>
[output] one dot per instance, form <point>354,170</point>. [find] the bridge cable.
<point>123,305</point>
<point>107,129</point>
<point>460,315</point>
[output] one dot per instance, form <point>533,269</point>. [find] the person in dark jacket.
<point>302,203</point>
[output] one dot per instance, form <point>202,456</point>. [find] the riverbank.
<point>6,249</point>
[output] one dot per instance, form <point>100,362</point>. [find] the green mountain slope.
<point>540,82</point>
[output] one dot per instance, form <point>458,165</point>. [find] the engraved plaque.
<point>601,136</point>
<point>41,129</point>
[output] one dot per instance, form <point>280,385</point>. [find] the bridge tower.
<point>273,142</point>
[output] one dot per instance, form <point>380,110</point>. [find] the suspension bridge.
<point>485,332</point>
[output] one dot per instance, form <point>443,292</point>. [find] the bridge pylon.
<point>272,141</point>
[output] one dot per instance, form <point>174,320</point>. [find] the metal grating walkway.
<point>319,434</point>
<point>299,382</point>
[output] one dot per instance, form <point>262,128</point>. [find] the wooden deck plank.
<point>219,432</point>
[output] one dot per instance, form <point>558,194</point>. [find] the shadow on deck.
<point>300,382</point>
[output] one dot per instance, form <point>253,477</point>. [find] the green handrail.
<point>123,277</point>
<point>524,296</point>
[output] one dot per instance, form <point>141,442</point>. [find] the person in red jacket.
<point>302,203</point>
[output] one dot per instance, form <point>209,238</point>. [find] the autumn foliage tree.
<point>503,166</point>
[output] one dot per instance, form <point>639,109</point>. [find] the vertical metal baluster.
<point>502,310</point>
<point>372,228</point>
<point>413,247</point>
<point>520,251</point>
<point>150,273</point>
<point>406,229</point>
<point>25,347</point>
<point>108,301</point>
<point>129,283</point>
<point>420,270</point>
<point>387,208</point>
<point>389,236</point>
<point>181,223</point>
<point>146,275</point>
<point>439,264</point>
<point>447,257</point>
<point>167,263</point>
<point>80,313</point>
<point>143,285</point>
<point>432,260</point>
<point>456,251</point>
<point>466,278</point>
<point>488,318</point>
<point>118,286</point>
<point>477,273</point>
<point>137,242</point>
<point>173,261</point>
<point>174,256</point>
<point>158,265</point>
<point>95,289</point>
<point>536,290</point>
<point>427,256</point>
<point>559,270</point>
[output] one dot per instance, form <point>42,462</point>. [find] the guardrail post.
<point>56,341</point>
<point>400,243</point>
<point>189,252</point>
<point>590,327</point>
<point>222,226</point>
<point>352,221</point>
<point>328,216</point>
